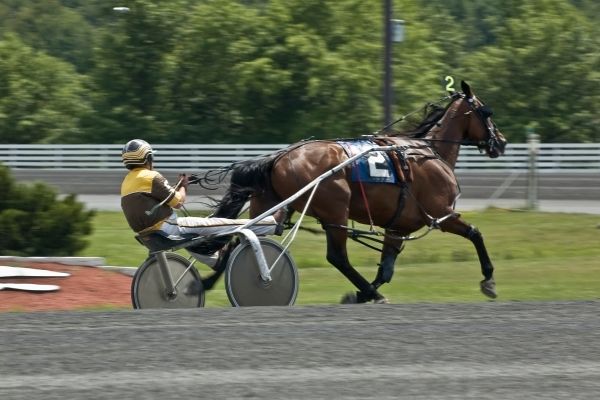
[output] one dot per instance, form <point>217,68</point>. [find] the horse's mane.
<point>433,113</point>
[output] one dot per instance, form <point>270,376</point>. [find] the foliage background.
<point>277,71</point>
<point>36,222</point>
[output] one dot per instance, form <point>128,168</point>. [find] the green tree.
<point>47,26</point>
<point>282,70</point>
<point>128,68</point>
<point>36,223</point>
<point>589,8</point>
<point>419,66</point>
<point>333,85</point>
<point>41,98</point>
<point>544,71</point>
<point>268,73</point>
<point>198,93</point>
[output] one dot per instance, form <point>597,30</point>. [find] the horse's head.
<point>480,128</point>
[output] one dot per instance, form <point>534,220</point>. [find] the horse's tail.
<point>247,177</point>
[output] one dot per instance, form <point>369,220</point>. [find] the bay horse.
<point>425,195</point>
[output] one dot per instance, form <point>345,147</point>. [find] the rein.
<point>464,142</point>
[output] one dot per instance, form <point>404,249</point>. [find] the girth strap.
<point>400,207</point>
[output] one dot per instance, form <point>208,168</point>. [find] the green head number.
<point>449,84</point>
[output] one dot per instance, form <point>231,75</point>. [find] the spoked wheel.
<point>148,289</point>
<point>245,286</point>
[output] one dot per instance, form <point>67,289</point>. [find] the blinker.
<point>485,111</point>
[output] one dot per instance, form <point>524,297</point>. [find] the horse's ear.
<point>466,89</point>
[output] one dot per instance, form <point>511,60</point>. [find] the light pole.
<point>393,32</point>
<point>387,62</point>
<point>533,139</point>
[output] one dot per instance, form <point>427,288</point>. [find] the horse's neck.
<point>447,135</point>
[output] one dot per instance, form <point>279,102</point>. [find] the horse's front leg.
<point>459,227</point>
<point>337,255</point>
<point>392,247</point>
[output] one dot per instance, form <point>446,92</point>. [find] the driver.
<point>149,202</point>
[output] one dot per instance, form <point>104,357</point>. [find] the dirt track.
<point>422,351</point>
<point>85,288</point>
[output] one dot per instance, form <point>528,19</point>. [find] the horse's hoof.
<point>488,288</point>
<point>381,300</point>
<point>349,298</point>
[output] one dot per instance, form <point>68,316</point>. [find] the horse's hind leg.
<point>209,282</point>
<point>338,257</point>
<point>460,227</point>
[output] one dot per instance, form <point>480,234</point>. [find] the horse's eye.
<point>485,111</point>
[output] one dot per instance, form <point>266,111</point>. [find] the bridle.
<point>484,113</point>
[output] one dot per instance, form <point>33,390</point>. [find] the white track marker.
<point>28,287</point>
<point>17,272</point>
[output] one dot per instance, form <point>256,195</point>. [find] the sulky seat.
<point>161,241</point>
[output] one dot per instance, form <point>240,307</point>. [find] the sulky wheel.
<point>243,282</point>
<point>148,289</point>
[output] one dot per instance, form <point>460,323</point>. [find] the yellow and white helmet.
<point>136,152</point>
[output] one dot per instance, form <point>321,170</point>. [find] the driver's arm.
<point>180,195</point>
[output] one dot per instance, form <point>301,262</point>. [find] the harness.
<point>399,158</point>
<point>402,169</point>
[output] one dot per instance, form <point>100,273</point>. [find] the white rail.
<point>555,157</point>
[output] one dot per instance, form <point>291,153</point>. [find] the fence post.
<point>533,140</point>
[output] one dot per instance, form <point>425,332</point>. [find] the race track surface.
<point>423,351</point>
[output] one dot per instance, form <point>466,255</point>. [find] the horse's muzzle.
<point>496,147</point>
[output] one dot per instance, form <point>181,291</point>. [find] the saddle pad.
<point>374,167</point>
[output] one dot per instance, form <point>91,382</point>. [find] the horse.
<point>424,195</point>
